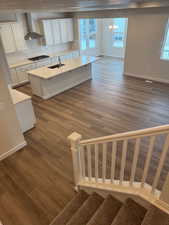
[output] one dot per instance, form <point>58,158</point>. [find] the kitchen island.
<point>47,82</point>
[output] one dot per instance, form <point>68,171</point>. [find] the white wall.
<point>35,47</point>
<point>11,138</point>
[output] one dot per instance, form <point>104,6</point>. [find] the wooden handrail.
<point>128,135</point>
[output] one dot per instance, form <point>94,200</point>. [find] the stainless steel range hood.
<point>31,34</point>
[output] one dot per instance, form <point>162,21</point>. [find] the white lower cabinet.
<point>24,110</point>
<point>14,77</point>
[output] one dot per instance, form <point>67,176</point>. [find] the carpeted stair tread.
<point>70,209</point>
<point>86,211</point>
<point>155,216</point>
<point>107,212</point>
<point>130,213</point>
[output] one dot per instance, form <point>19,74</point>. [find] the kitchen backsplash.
<point>33,50</point>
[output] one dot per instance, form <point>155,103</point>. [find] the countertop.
<point>18,96</point>
<point>26,61</point>
<point>71,64</point>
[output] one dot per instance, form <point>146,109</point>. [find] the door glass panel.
<point>87,33</point>
<point>119,26</point>
<point>83,34</point>
<point>92,40</point>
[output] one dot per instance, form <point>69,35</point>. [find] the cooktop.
<point>36,58</point>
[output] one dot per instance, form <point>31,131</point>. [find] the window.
<point>87,33</point>
<point>165,48</point>
<point>119,26</point>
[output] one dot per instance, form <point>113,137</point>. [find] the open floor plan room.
<point>84,112</point>
<point>37,182</point>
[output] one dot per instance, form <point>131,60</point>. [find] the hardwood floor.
<point>37,182</point>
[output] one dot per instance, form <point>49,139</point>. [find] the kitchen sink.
<point>56,66</point>
<point>36,58</point>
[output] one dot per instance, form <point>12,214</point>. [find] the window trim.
<point>164,41</point>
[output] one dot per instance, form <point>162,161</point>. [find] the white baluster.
<point>113,160</point>
<point>75,145</point>
<point>89,162</point>
<point>104,162</point>
<point>161,163</point>
<point>165,191</point>
<point>135,159</point>
<point>123,160</point>
<point>148,158</point>
<point>82,158</point>
<point>96,161</point>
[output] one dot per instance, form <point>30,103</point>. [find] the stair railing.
<point>86,167</point>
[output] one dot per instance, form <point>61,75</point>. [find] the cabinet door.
<point>47,28</point>
<point>22,73</point>
<point>19,36</point>
<point>22,76</point>
<point>14,77</point>
<point>63,29</point>
<point>56,31</point>
<point>7,38</point>
<point>70,29</point>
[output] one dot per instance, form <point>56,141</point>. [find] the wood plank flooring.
<point>37,182</point>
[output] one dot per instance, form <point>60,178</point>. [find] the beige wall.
<point>143,50</point>
<point>11,137</point>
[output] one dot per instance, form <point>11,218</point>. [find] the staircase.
<point>85,209</point>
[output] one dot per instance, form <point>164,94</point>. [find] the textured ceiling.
<point>78,5</point>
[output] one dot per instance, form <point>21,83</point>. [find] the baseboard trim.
<point>13,150</point>
<point>115,57</point>
<point>147,78</point>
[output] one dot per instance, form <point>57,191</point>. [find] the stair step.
<point>70,209</point>
<point>106,212</point>
<point>155,216</point>
<point>130,213</point>
<point>86,211</point>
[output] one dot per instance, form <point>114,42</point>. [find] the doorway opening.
<point>103,36</point>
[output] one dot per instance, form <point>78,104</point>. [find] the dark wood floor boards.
<point>37,182</point>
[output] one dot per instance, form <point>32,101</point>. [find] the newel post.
<point>165,191</point>
<point>74,139</point>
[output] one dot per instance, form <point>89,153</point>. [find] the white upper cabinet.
<point>70,29</point>
<point>7,38</point>
<point>48,32</point>
<point>18,33</point>
<point>64,30</point>
<point>12,37</point>
<point>57,31</point>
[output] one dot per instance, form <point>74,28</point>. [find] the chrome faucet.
<point>59,60</point>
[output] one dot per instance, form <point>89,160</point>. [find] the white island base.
<point>48,86</point>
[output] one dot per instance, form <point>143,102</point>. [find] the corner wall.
<point>11,138</point>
